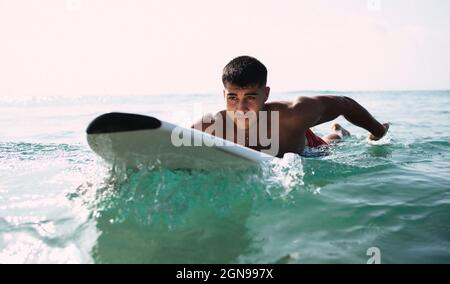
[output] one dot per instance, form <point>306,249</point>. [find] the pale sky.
<point>118,47</point>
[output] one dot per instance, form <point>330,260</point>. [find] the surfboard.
<point>136,140</point>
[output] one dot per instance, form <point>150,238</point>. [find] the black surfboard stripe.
<point>121,122</point>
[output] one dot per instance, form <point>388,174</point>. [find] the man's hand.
<point>375,138</point>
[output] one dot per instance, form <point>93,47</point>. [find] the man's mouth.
<point>245,115</point>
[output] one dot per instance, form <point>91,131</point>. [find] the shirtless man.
<point>244,79</point>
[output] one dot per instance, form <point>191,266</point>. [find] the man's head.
<point>245,71</point>
<point>244,79</point>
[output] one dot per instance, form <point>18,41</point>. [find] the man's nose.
<point>242,106</point>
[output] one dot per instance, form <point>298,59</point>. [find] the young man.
<point>287,123</point>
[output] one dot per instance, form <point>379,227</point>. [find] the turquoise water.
<point>60,204</point>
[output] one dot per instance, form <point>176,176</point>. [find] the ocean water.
<point>60,203</point>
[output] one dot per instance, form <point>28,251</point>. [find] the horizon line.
<point>212,92</point>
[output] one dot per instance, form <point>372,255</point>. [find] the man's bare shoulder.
<point>220,114</point>
<point>299,102</point>
<point>303,103</point>
<point>295,114</point>
<point>290,108</point>
<point>287,113</point>
<point>284,108</point>
<point>314,103</point>
<point>278,105</point>
<point>311,108</point>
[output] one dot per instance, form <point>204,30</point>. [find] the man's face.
<point>245,101</point>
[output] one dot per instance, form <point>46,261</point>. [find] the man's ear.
<point>266,93</point>
<point>224,94</point>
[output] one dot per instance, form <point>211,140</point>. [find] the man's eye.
<point>232,98</point>
<point>251,98</point>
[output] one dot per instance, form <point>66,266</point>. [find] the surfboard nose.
<point>120,122</point>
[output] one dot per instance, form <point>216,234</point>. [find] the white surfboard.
<point>137,140</point>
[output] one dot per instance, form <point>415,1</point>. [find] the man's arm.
<point>203,123</point>
<point>207,123</point>
<point>320,109</point>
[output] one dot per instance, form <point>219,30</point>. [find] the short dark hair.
<point>244,71</point>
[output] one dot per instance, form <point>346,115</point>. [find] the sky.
<point>122,47</point>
